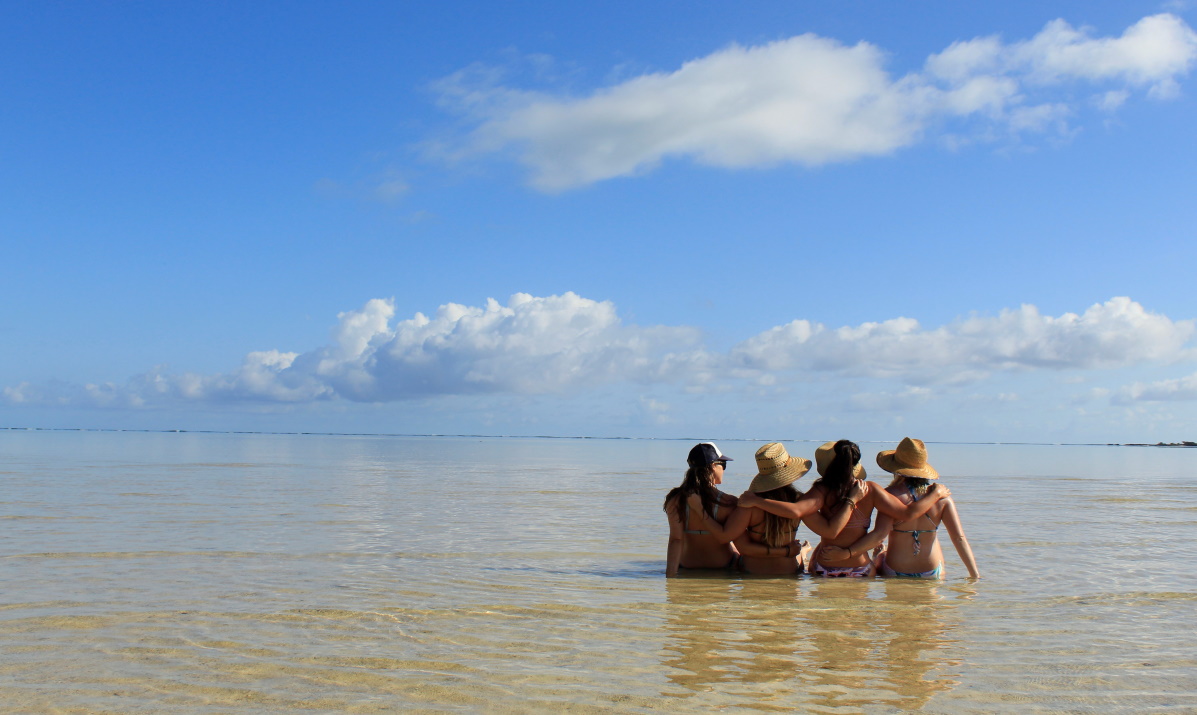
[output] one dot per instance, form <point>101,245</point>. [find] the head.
<point>842,469</point>
<point>706,465</point>
<point>776,468</point>
<point>908,460</point>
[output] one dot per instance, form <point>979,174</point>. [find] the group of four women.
<point>757,533</point>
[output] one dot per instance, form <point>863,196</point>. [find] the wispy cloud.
<point>1179,389</point>
<point>564,343</point>
<point>812,100</point>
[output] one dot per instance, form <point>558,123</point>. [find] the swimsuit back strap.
<point>686,519</point>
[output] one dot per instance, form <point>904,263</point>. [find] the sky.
<point>775,220</point>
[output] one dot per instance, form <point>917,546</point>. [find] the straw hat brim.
<point>788,473</point>
<point>886,461</point>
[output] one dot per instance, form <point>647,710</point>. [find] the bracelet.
<point>850,554</point>
<point>851,504</point>
<point>788,550</point>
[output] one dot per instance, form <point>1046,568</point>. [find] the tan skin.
<point>699,551</point>
<point>900,555</point>
<point>875,498</point>
<point>763,558</point>
<point>746,523</point>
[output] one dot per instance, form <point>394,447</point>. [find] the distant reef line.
<point>11,428</point>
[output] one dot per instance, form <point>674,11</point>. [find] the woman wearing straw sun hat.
<point>840,473</point>
<point>767,541</point>
<point>914,550</point>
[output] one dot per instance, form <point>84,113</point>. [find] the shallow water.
<point>216,573</point>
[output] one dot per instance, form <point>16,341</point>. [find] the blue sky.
<point>769,219</point>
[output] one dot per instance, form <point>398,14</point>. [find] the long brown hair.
<point>779,530</point>
<point>697,481</point>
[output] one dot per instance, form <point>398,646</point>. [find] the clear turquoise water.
<point>216,573</point>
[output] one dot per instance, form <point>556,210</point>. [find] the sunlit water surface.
<point>214,573</point>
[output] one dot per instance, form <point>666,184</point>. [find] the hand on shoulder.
<point>860,489</point>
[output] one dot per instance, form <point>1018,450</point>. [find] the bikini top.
<point>859,518</point>
<point>915,533</point>
<point>686,518</point>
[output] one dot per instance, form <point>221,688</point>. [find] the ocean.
<point>227,573</point>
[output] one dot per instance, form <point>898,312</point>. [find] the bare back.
<point>913,545</point>
<point>700,548</point>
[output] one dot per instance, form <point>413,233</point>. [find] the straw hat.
<point>908,460</point>
<point>826,453</point>
<point>776,468</point>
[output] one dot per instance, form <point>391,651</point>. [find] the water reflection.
<point>840,645</point>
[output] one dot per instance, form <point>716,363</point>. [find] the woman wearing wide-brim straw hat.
<point>767,542</point>
<point>840,477</point>
<point>914,550</point>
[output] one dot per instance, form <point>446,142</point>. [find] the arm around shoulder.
<point>887,503</point>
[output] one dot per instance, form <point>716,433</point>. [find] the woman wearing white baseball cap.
<point>689,508</point>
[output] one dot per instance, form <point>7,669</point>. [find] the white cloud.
<point>532,345</point>
<point>1116,333</point>
<point>564,343</point>
<point>810,100</point>
<point>1184,388</point>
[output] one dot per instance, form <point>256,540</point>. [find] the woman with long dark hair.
<point>767,542</point>
<point>840,472</point>
<point>913,549</point>
<point>691,506</point>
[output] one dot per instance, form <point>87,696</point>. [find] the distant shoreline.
<point>1182,444</point>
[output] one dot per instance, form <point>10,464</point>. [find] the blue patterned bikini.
<point>933,573</point>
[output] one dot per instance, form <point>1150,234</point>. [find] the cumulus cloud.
<point>564,343</point>
<point>529,346</point>
<point>1117,333</point>
<point>811,100</point>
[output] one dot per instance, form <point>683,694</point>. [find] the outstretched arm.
<point>952,521</point>
<point>804,507</point>
<point>887,503</point>
<point>734,527</point>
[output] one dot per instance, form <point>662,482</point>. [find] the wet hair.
<point>698,480</point>
<point>837,481</point>
<point>779,530</point>
<point>920,485</point>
